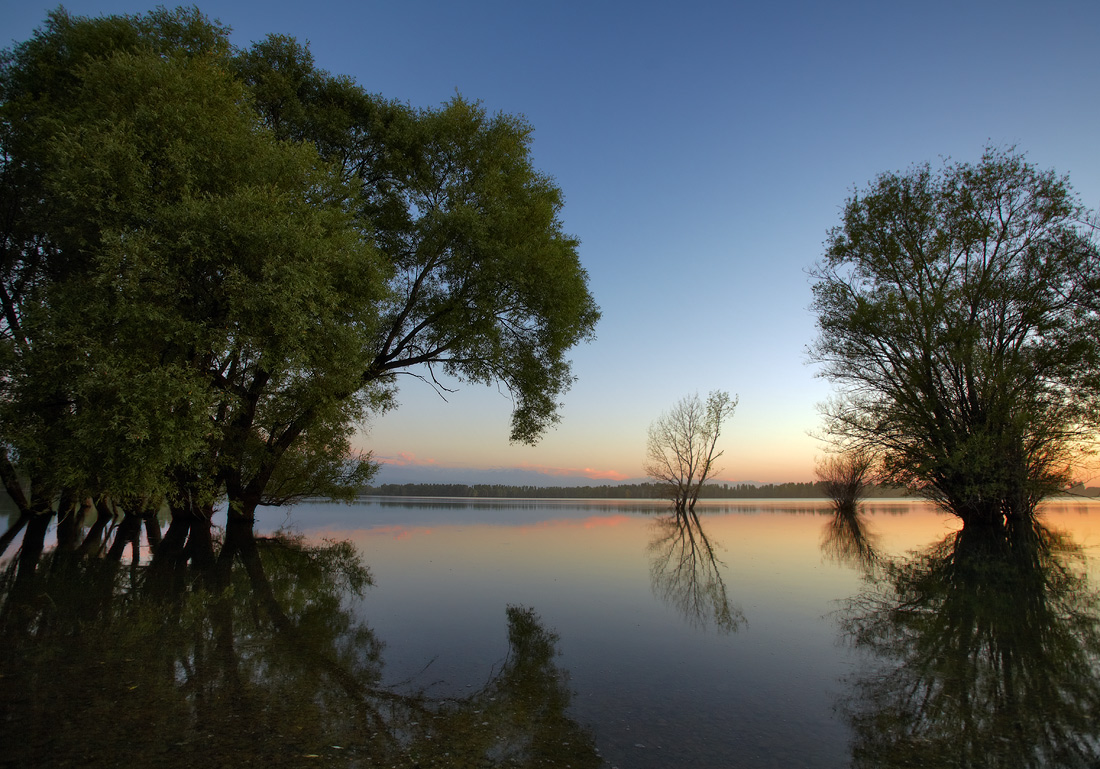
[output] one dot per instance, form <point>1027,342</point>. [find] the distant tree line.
<point>808,490</point>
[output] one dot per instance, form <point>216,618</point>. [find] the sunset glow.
<point>698,217</point>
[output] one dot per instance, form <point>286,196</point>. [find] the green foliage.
<point>949,308</point>
<point>201,249</point>
<point>198,302</point>
<point>90,150</point>
<point>486,287</point>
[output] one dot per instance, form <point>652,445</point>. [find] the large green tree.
<point>218,280</point>
<point>950,309</point>
<point>486,286</point>
<point>216,262</point>
<point>44,248</point>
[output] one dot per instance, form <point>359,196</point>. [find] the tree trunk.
<point>167,570</point>
<point>152,529</point>
<point>200,540</point>
<point>13,530</point>
<point>70,516</point>
<point>128,533</point>
<point>93,540</point>
<point>34,542</point>
<point>170,549</point>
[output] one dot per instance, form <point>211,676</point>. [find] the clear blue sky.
<point>704,150</point>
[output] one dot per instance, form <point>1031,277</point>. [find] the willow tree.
<point>77,414</point>
<point>198,247</point>
<point>228,295</point>
<point>950,314</point>
<point>485,284</point>
<point>683,446</point>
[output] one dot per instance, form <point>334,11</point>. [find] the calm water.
<point>728,642</point>
<point>575,633</point>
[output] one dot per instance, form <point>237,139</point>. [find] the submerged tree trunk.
<point>187,540</point>
<point>171,547</point>
<point>152,529</point>
<point>128,533</point>
<point>34,542</point>
<point>13,531</point>
<point>70,514</point>
<point>200,539</point>
<point>93,540</point>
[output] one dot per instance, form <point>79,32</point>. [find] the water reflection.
<point>258,660</point>
<point>985,653</point>
<point>847,538</point>
<point>685,573</point>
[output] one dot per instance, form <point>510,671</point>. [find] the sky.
<point>704,150</point>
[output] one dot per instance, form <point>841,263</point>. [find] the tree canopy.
<point>216,262</point>
<point>953,312</point>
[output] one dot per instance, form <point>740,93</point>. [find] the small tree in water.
<point>844,477</point>
<point>682,445</point>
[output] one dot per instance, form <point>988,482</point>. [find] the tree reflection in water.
<point>685,573</point>
<point>847,538</point>
<point>988,654</point>
<point>255,661</point>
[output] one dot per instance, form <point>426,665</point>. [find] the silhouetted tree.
<point>949,308</point>
<point>682,445</point>
<point>844,477</point>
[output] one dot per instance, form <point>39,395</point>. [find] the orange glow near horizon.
<point>751,537</point>
<point>408,459</point>
<point>586,472</point>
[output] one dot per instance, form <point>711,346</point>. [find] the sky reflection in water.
<point>659,679</point>
<point>549,634</point>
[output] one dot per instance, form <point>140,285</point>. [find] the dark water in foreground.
<point>584,634</point>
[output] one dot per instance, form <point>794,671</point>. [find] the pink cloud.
<point>405,458</point>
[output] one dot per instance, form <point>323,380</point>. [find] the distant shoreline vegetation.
<point>808,490</point>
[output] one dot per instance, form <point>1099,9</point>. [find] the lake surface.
<point>734,641</point>
<point>514,633</point>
